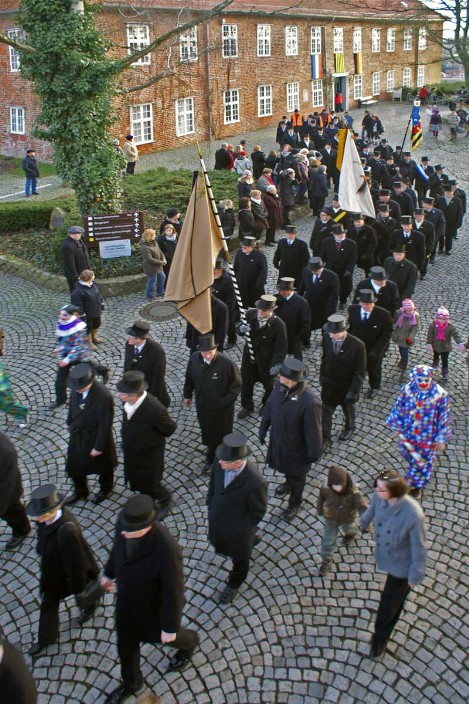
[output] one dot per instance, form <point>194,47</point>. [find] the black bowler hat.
<point>44,499</point>
<point>335,323</point>
<point>439,167</point>
<point>139,329</point>
<point>266,302</point>
<point>447,187</point>
<point>385,192</point>
<point>293,369</point>
<point>399,249</point>
<point>428,200</point>
<point>286,283</point>
<point>249,241</point>
<point>234,447</point>
<point>406,219</point>
<point>132,382</point>
<point>80,376</point>
<point>377,273</point>
<point>139,512</point>
<point>419,211</point>
<point>207,343</point>
<point>291,229</point>
<point>338,229</point>
<point>316,263</point>
<point>366,295</point>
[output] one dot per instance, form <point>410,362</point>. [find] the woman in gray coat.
<point>400,550</point>
<point>153,263</point>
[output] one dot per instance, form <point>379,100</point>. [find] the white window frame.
<point>264,40</point>
<point>291,40</point>
<point>188,47</point>
<point>185,116</point>
<point>391,39</point>
<point>231,106</point>
<point>141,123</point>
<point>293,96</point>
<point>407,39</point>
<point>229,41</point>
<point>376,83</point>
<point>138,37</point>
<point>19,36</point>
<point>390,80</point>
<point>357,86</point>
<point>317,92</point>
<point>375,40</point>
<point>17,120</point>
<point>316,41</point>
<point>338,40</point>
<point>407,77</point>
<point>420,76</point>
<point>423,39</point>
<point>264,100</point>
<point>357,40</point>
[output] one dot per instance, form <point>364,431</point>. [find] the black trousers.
<point>130,168</point>
<point>250,377</point>
<point>374,366</point>
<point>128,648</point>
<point>15,516</point>
<point>240,552</point>
<point>72,283</point>
<point>106,482</point>
<point>345,287</point>
<point>392,601</point>
<point>49,619</point>
<point>327,413</point>
<point>444,359</point>
<point>296,484</point>
<point>446,242</point>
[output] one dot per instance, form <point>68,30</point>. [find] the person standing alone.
<point>29,166</point>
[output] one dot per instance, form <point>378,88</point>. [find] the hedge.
<point>32,215</point>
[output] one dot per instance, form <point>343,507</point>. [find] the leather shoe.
<point>227,595</point>
<point>164,509</point>
<point>16,540</point>
<point>290,512</point>
<point>86,616</point>
<point>244,412</point>
<point>346,434</point>
<point>101,496</point>
<point>377,649</point>
<point>119,695</point>
<point>73,498</point>
<point>372,393</point>
<point>36,649</point>
<point>55,404</point>
<point>282,490</point>
<point>180,661</point>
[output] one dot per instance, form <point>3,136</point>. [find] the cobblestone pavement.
<point>290,636</point>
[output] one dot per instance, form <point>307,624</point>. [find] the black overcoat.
<point>290,260</point>
<point>295,314</point>
<point>216,386</point>
<point>366,241</point>
<point>343,372</point>
<point>220,318</point>
<point>404,274</point>
<point>339,260</point>
<point>321,231</point>
<point>427,229</point>
<point>294,419</point>
<point>453,212</point>
<point>415,246</point>
<point>11,488</point>
<point>75,258</point>
<point>251,275</point>
<point>90,423</point>
<point>16,681</point>
<point>375,332</point>
<point>387,296</point>
<point>151,360</point>
<point>322,297</point>
<point>223,289</point>
<point>383,229</point>
<point>437,218</point>
<point>270,343</point>
<point>143,442</point>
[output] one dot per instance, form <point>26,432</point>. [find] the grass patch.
<point>12,166</point>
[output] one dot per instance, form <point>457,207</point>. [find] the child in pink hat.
<point>439,335</point>
<point>405,330</point>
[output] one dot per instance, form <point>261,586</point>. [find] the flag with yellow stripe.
<point>339,63</point>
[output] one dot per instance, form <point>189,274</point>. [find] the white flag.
<point>353,197</point>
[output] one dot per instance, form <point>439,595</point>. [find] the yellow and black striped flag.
<point>416,137</point>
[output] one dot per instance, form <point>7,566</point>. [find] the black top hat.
<point>452,182</point>
<point>384,140</point>
<point>293,369</point>
<point>80,376</point>
<point>397,184</point>
<point>335,197</point>
<point>335,323</point>
<point>447,187</point>
<point>234,447</point>
<point>425,158</point>
<point>219,264</point>
<point>429,200</point>
<point>44,499</point>
<point>132,382</point>
<point>384,207</point>
<point>377,273</point>
<point>399,249</point>
<point>249,241</point>
<point>366,295</point>
<point>419,211</point>
<point>406,219</point>
<point>266,302</point>
<point>406,153</point>
<point>377,152</point>
<point>291,228</point>
<point>207,343</point>
<point>385,192</point>
<point>286,283</point>
<point>357,216</point>
<point>337,229</point>
<point>139,512</point>
<point>139,329</point>
<point>327,210</point>
<point>316,263</point>
<point>439,167</point>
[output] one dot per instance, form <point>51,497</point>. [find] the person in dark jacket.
<point>91,447</point>
<point>340,256</point>
<point>293,415</point>
<point>286,191</point>
<point>145,426</point>
<point>87,296</point>
<point>227,217</point>
<point>222,158</point>
<point>147,356</point>
<point>436,217</point>
<point>383,226</point>
<point>216,382</point>
<point>317,188</point>
<point>260,214</point>
<point>414,242</point>
<point>11,490</point>
<point>67,562</point>
<point>384,198</point>
<point>29,166</point>
<point>427,228</point>
<point>167,242</point>
<point>401,271</point>
<point>245,185</point>
<point>294,311</point>
<point>402,198</point>
<point>250,268</point>
<point>173,218</point>
<point>320,288</point>
<point>291,255</point>
<point>236,502</point>
<point>274,214</point>
<point>145,569</point>
<point>246,222</point>
<point>16,682</point>
<point>223,289</point>
<point>365,239</point>
<point>74,256</point>
<point>322,230</point>
<point>452,209</point>
<point>386,292</point>
<point>258,161</point>
<point>220,319</point>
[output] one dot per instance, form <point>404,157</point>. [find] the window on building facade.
<point>264,101</point>
<point>391,40</point>
<point>420,76</point>
<point>17,121</point>
<point>231,106</point>
<point>185,119</point>
<point>317,95</point>
<point>315,40</point>
<point>357,40</point>
<point>375,40</point>
<point>422,38</point>
<point>141,123</point>
<point>188,45</point>
<point>375,83</point>
<point>357,86</point>
<point>407,39</point>
<point>19,36</point>
<point>390,81</point>
<point>263,39</point>
<point>407,78</point>
<point>291,41</point>
<point>138,37</point>
<point>338,40</point>
<point>293,96</point>
<point>229,34</point>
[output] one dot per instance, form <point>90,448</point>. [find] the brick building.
<point>242,70</point>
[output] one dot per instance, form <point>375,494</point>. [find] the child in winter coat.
<point>405,330</point>
<point>339,502</point>
<point>439,337</point>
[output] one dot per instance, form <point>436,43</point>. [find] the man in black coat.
<point>223,289</point>
<point>322,230</point>
<point>220,318</point>
<point>291,255</point>
<point>384,198</point>
<point>222,157</point>
<point>427,228</point>
<point>320,288</point>
<point>436,217</point>
<point>250,268</point>
<point>401,271</point>
<point>67,562</point>
<point>268,341</point>
<point>386,292</point>
<point>383,226</point>
<point>216,382</point>
<point>329,159</point>
<point>236,502</point>
<point>422,173</point>
<point>16,682</point>
<point>452,210</point>
<point>294,311</point>
<point>341,375</point>
<point>145,568</point>
<point>293,414</point>
<point>414,242</point>
<point>340,255</point>
<point>147,356</point>
<point>74,255</point>
<point>11,490</point>
<point>402,198</point>
<point>91,447</point>
<point>365,238</point>
<point>145,426</point>
<point>373,326</point>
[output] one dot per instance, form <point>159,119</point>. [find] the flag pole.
<point>242,311</point>
<point>405,135</point>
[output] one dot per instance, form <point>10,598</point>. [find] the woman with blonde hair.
<point>153,263</point>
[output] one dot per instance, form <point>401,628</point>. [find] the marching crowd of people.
<point>418,214</point>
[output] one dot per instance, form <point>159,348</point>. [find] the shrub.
<point>28,215</point>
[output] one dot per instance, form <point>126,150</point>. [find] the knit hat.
<point>408,304</point>
<point>337,475</point>
<point>443,312</point>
